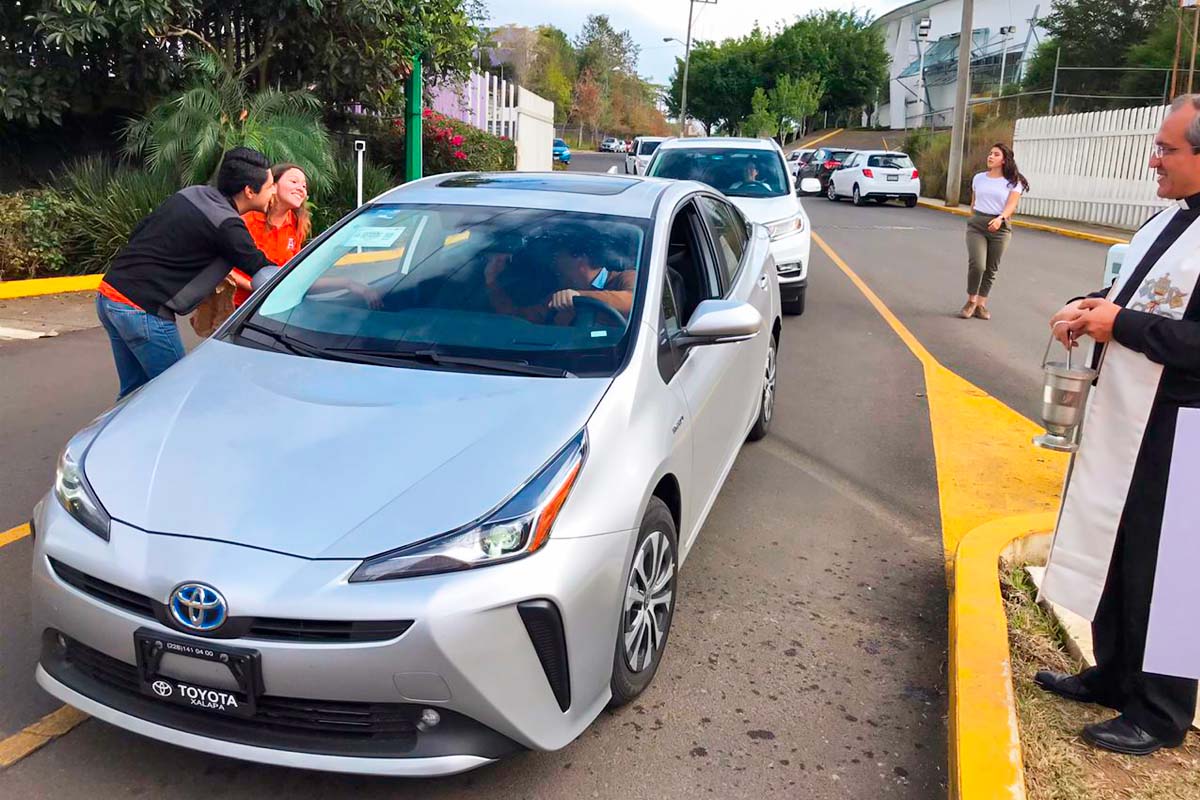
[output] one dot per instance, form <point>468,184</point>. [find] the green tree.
<point>601,48</point>
<point>185,135</point>
<point>794,100</point>
<point>761,120</point>
<point>553,73</point>
<point>840,46</point>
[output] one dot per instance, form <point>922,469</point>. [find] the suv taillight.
<point>915,175</point>
<point>868,174</point>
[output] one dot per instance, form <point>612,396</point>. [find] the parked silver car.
<point>411,530</point>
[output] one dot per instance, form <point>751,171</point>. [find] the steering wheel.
<point>589,311</point>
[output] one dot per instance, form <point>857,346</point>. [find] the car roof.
<point>726,142</point>
<point>881,152</point>
<point>653,138</point>
<point>565,191</point>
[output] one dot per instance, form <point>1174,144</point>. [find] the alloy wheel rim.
<point>769,386</point>
<point>829,190</point>
<point>648,598</point>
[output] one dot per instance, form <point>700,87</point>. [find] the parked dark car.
<point>824,161</point>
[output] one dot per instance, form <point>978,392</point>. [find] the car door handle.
<point>762,282</point>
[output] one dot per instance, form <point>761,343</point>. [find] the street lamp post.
<point>687,57</point>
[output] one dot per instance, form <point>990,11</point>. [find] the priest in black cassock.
<point>1146,334</point>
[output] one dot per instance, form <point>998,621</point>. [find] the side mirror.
<point>810,186</point>
<point>720,322</point>
<point>263,277</point>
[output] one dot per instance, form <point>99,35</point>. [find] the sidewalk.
<point>1078,230</point>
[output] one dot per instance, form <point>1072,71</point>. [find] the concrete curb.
<point>985,745</point>
<point>1037,226</point>
<point>40,286</point>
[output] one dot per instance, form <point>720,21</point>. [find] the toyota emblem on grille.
<point>198,607</point>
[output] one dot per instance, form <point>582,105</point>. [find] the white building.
<point>913,102</point>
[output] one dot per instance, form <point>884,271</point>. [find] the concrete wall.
<point>535,132</point>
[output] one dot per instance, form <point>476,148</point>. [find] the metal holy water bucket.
<point>1064,399</point>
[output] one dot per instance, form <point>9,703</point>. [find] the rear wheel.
<point>856,197</point>
<point>910,202</point>
<point>831,192</point>
<point>648,605</point>
<point>766,405</point>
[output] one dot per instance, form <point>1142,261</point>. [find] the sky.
<point>651,20</point>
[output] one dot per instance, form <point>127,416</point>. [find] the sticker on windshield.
<point>599,334</point>
<point>373,237</point>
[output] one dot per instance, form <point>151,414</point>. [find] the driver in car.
<point>577,274</point>
<point>750,178</point>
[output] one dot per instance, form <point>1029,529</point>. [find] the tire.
<point>766,403</point>
<point>910,202</point>
<point>880,201</point>
<point>856,198</point>
<point>830,192</point>
<point>629,681</point>
<point>795,307</point>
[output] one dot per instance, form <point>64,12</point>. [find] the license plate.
<point>243,664</point>
<point>893,177</point>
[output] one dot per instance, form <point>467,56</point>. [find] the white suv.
<point>878,175</point>
<point>753,175</point>
<point>638,157</point>
<point>612,145</point>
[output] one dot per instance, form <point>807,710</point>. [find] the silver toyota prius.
<point>423,500</point>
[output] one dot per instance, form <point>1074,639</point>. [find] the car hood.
<point>326,459</point>
<point>767,209</point>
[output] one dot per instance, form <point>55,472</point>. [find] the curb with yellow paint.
<point>39,286</point>
<point>55,724</point>
<point>819,139</point>
<point>1037,226</point>
<point>992,489</point>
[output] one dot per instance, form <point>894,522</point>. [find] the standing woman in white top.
<point>994,197</point>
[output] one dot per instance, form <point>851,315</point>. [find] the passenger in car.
<point>577,276</point>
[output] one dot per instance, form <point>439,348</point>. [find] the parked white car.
<point>798,158</point>
<point>611,144</point>
<point>638,157</point>
<point>878,175</point>
<point>752,173</point>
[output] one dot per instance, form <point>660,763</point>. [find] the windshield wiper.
<point>513,367</point>
<point>299,348</point>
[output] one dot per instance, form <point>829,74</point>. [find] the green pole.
<point>412,131</point>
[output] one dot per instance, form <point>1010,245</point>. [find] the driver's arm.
<point>618,292</point>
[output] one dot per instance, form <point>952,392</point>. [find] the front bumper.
<point>791,255</point>
<point>467,654</point>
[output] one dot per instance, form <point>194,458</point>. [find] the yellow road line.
<point>14,534</point>
<point>45,730</point>
<point>1036,226</point>
<point>986,465</point>
<point>820,139</point>
<point>39,286</point>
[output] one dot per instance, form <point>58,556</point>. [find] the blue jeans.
<point>143,345</point>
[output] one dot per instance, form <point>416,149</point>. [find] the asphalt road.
<point>809,652</point>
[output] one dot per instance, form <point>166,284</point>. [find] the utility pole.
<point>687,58</point>
<point>1054,85</point>
<point>962,91</point>
<point>413,161</point>
<point>1178,43</point>
<point>1005,31</point>
<point>923,27</point>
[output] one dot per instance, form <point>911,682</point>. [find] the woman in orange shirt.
<point>280,232</point>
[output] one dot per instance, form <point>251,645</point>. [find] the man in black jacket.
<point>175,258</point>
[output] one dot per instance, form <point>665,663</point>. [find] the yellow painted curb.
<point>1037,226</point>
<point>39,286</point>
<point>819,139</point>
<point>985,745</point>
<point>40,733</point>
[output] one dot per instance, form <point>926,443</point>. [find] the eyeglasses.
<point>1162,150</point>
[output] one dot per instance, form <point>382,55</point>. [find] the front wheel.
<point>766,405</point>
<point>830,192</point>
<point>648,605</point>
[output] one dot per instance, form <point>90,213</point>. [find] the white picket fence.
<point>1090,167</point>
<point>503,108</point>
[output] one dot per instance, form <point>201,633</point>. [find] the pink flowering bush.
<point>449,145</point>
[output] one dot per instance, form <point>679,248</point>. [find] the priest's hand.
<point>1096,319</point>
<point>1060,323</point>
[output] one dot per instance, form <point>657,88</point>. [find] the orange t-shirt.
<point>279,244</point>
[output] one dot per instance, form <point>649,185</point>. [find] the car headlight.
<point>785,227</point>
<point>71,486</point>
<point>519,527</point>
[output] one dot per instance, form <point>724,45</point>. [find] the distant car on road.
<point>562,152</point>
<point>473,504</point>
<point>753,175</point>
<point>611,145</point>
<point>877,175</point>
<point>638,157</point>
<point>798,158</point>
<point>822,163</point>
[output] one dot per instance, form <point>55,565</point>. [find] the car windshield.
<point>559,143</point>
<point>535,289</point>
<point>890,160</point>
<point>646,148</point>
<point>737,173</point>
